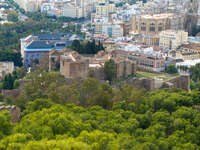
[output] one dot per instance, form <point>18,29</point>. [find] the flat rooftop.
<point>158,16</point>
<point>194,46</point>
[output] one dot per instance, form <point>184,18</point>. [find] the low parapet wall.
<point>15,92</point>
<point>181,81</point>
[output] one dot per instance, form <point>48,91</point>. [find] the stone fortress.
<point>151,84</point>
<point>76,66</point>
<point>73,65</point>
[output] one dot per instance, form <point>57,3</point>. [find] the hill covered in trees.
<point>90,115</point>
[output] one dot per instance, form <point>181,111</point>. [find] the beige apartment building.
<point>103,9</point>
<point>148,62</point>
<point>189,51</point>
<point>171,39</point>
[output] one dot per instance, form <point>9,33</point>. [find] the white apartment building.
<point>171,39</point>
<point>70,10</point>
<point>115,31</point>
<point>99,25</point>
<point>50,9</point>
<point>111,30</point>
<point>73,9</point>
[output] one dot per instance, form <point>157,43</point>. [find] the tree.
<point>76,45</point>
<point>110,70</point>
<point>16,84</point>
<point>5,124</point>
<point>88,91</point>
<point>64,94</point>
<point>99,140</point>
<point>104,96</point>
<point>21,72</point>
<point>129,94</point>
<point>68,144</point>
<point>41,84</point>
<point>90,47</point>
<point>12,16</point>
<point>171,69</point>
<point>8,82</point>
<point>166,119</point>
<point>37,104</point>
<point>11,56</point>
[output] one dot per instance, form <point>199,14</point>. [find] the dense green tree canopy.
<point>5,124</point>
<point>110,70</point>
<point>91,47</point>
<point>11,56</point>
<point>92,115</point>
<point>172,69</point>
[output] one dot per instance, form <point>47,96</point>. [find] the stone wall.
<point>181,81</point>
<point>142,83</point>
<point>15,112</point>
<point>97,73</point>
<point>79,70</point>
<point>125,68</point>
<point>74,69</point>
<point>15,92</point>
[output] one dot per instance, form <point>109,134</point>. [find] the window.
<point>136,25</point>
<point>52,59</point>
<point>160,27</point>
<point>158,65</point>
<point>152,27</point>
<point>143,26</point>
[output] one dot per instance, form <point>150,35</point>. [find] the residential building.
<point>50,9</point>
<point>5,68</point>
<point>148,62</point>
<point>102,26</point>
<point>171,39</point>
<point>115,31</point>
<point>70,10</point>
<point>187,55</point>
<point>189,51</point>
<point>103,9</point>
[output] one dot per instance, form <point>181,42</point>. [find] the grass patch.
<point>162,76</point>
